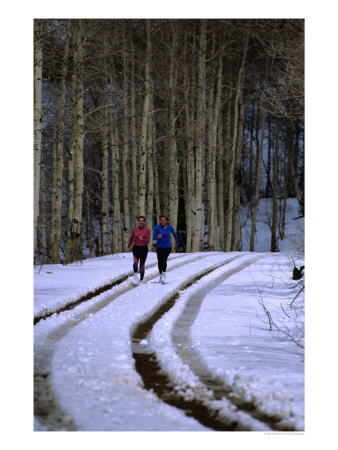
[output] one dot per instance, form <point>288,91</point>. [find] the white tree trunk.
<point>125,155</point>
<point>134,171</point>
<point>173,164</point>
<point>257,183</point>
<point>78,169</point>
<point>75,164</point>
<point>198,234</point>
<point>213,123</point>
<point>189,160</point>
<point>229,215</point>
<point>150,199</point>
<point>104,195</point>
<point>43,213</point>
<point>57,225</point>
<point>274,244</point>
<point>237,180</point>
<point>117,231</point>
<point>144,128</point>
<point>220,184</point>
<point>156,186</point>
<point>38,118</point>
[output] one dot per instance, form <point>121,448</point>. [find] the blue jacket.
<point>164,241</point>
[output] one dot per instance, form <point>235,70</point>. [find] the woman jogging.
<point>141,235</point>
<point>161,238</point>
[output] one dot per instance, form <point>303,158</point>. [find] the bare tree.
<point>75,165</point>
<point>198,232</point>
<point>257,184</point>
<point>58,173</point>
<point>38,119</point>
<point>144,127</point>
<point>239,87</point>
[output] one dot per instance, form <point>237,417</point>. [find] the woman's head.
<point>163,220</point>
<point>141,221</point>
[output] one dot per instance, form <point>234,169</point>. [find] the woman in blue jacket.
<point>161,238</point>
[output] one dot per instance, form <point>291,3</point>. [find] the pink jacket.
<point>135,235</point>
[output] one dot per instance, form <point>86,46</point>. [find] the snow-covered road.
<point>85,376</point>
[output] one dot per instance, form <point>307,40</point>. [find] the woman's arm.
<point>147,238</point>
<point>174,234</point>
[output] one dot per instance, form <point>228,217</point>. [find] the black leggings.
<point>140,254</point>
<point>162,256</point>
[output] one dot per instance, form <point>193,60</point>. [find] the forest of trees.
<point>194,119</point>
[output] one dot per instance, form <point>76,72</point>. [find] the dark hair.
<point>166,218</point>
<point>141,217</point>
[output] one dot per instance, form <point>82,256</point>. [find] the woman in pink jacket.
<point>141,236</point>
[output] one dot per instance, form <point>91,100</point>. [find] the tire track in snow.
<point>46,406</point>
<point>157,379</point>
<point>183,346</point>
<point>191,379</point>
<point>91,294</point>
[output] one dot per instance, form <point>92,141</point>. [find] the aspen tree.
<point>70,201</point>
<point>150,145</point>
<point>220,183</point>
<point>268,165</point>
<point>274,245</point>
<point>156,182</point>
<point>117,242</point>
<point>78,169</point>
<point>173,164</point>
<point>43,213</point>
<point>71,157</point>
<point>292,170</point>
<point>144,126</point>
<point>186,207</point>
<point>125,154</point>
<point>105,234</point>
<point>214,111</point>
<point>251,162</point>
<point>227,159</point>
<point>53,191</point>
<point>134,171</point>
<point>237,177</point>
<point>257,183</point>
<point>54,158</point>
<point>198,234</point>
<point>190,204</point>
<point>56,217</point>
<point>117,231</point>
<point>284,196</point>
<point>75,164</point>
<point>89,224</point>
<point>229,215</point>
<point>38,118</point>
<point>210,171</point>
<point>189,164</point>
<point>104,188</point>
